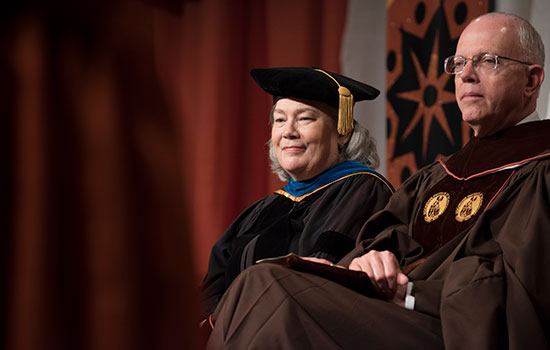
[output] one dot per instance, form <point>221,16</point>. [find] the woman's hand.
<point>384,272</point>
<point>320,261</point>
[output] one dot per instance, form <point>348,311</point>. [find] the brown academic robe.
<point>484,283</point>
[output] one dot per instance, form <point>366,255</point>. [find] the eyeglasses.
<point>485,62</point>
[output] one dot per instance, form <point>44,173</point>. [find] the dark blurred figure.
<point>94,242</point>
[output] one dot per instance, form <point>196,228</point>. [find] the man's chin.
<point>471,120</point>
<point>474,116</point>
<point>474,121</point>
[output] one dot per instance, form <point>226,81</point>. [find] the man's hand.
<point>399,296</point>
<point>384,272</point>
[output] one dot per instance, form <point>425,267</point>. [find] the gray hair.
<point>530,41</point>
<point>361,148</point>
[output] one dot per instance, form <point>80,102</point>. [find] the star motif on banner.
<point>430,97</point>
<point>429,123</point>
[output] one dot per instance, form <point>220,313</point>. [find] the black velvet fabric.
<point>307,83</point>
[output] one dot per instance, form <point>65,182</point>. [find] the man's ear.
<point>534,79</point>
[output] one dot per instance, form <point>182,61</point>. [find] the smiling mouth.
<point>293,148</point>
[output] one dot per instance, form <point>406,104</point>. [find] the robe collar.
<point>297,190</point>
<point>506,149</point>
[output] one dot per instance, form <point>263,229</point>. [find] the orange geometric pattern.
<point>424,122</point>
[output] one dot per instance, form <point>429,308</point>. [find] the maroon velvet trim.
<point>433,235</point>
<point>512,146</point>
<point>500,168</point>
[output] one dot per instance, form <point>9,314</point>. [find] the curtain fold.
<point>98,252</point>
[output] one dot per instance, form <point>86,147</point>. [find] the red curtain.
<point>95,235</point>
<point>134,136</point>
<point>204,56</point>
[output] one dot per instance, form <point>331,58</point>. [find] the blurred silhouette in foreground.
<point>95,248</point>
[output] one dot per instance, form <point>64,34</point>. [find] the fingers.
<point>399,296</point>
<point>382,274</point>
<point>383,270</point>
<point>402,279</point>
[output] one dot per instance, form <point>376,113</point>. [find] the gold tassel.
<point>345,111</point>
<point>345,107</point>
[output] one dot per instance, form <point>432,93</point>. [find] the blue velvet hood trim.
<point>301,188</point>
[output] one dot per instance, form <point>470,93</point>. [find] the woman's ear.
<point>343,139</point>
<point>534,79</point>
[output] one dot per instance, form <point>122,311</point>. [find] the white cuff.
<point>409,299</point>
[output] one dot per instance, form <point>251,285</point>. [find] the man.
<point>459,254</point>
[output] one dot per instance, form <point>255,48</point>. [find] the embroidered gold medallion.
<point>435,206</point>
<point>469,206</point>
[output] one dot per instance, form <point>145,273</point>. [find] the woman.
<point>326,157</point>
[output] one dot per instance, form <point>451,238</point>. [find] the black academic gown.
<point>323,223</point>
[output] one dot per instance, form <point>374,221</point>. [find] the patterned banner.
<point>424,122</point>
